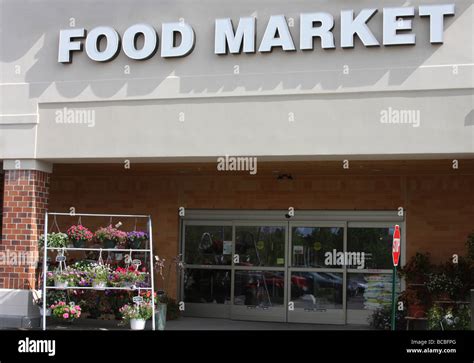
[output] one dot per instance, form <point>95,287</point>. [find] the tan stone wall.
<point>440,207</point>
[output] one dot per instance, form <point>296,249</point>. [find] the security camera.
<point>288,216</point>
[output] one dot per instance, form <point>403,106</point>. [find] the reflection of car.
<point>314,281</point>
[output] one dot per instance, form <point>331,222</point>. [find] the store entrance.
<point>305,270</point>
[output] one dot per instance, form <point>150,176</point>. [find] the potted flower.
<point>99,275</point>
<point>136,239</point>
<point>167,308</point>
<point>126,277</point>
<point>66,312</point>
<point>110,236</point>
<point>63,278</point>
<point>137,314</point>
<point>79,235</point>
<point>57,240</point>
<point>51,298</point>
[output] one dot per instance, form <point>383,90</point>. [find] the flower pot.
<point>99,284</point>
<point>416,310</point>
<point>61,284</point>
<point>81,243</point>
<point>160,316</point>
<point>136,245</point>
<point>48,311</point>
<point>109,243</point>
<point>137,324</point>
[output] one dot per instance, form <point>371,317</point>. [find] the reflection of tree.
<point>204,244</point>
<point>248,247</point>
<point>374,241</point>
<point>329,238</point>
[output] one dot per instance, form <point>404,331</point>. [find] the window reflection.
<point>376,243</point>
<point>310,244</point>
<point>208,245</point>
<point>207,286</point>
<point>317,290</point>
<point>259,288</point>
<point>260,246</point>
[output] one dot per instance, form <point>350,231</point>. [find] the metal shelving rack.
<point>143,250</point>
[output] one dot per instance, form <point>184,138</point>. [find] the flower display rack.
<point>148,250</point>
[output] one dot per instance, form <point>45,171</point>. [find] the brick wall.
<point>25,199</point>
<point>440,207</point>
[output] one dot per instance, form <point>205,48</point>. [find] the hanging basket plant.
<point>57,240</point>
<point>110,236</point>
<point>137,239</point>
<point>79,235</point>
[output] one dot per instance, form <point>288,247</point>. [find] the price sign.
<point>137,299</point>
<point>60,258</point>
<point>136,262</point>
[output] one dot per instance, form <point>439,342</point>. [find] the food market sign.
<point>178,39</point>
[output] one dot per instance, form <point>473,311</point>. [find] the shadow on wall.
<point>35,36</point>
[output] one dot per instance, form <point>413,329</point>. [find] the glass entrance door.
<point>327,272</point>
<point>316,280</point>
<point>259,289</point>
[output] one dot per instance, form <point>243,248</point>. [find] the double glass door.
<point>311,272</point>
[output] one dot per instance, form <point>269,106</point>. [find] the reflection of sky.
<point>307,231</point>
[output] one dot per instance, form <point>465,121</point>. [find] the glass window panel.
<point>376,243</point>
<point>260,246</point>
<point>259,288</point>
<point>310,245</point>
<point>208,245</point>
<point>369,291</point>
<point>317,290</point>
<point>207,286</point>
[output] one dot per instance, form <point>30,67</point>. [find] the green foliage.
<point>417,268</point>
<point>449,318</point>
<point>54,240</point>
<point>381,319</point>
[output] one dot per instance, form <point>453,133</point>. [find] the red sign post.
<point>396,260</point>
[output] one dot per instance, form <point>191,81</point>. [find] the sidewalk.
<point>188,323</point>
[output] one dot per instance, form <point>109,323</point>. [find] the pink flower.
<point>73,311</point>
<point>66,310</point>
<point>66,316</point>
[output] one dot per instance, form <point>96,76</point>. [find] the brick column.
<point>25,200</point>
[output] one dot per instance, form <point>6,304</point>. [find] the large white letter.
<point>66,45</point>
<point>150,41</point>
<point>168,48</point>
<point>436,14</point>
<point>393,22</point>
<point>224,36</point>
<point>277,23</point>
<point>308,31</point>
<point>351,26</point>
<point>92,44</point>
